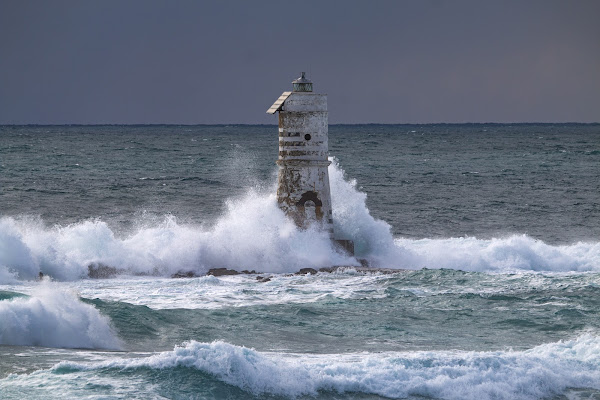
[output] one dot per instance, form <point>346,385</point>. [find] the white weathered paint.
<point>303,180</point>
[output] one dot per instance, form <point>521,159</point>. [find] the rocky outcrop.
<point>101,271</point>
<point>363,268</point>
<point>182,274</point>
<point>222,272</point>
<point>305,271</point>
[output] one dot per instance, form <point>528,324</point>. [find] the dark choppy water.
<point>497,224</point>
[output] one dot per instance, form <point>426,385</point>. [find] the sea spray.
<point>52,317</point>
<point>254,234</point>
<point>372,237</point>
<point>16,258</point>
<point>65,252</point>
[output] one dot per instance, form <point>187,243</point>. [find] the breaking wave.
<point>540,372</point>
<point>54,318</point>
<point>511,254</point>
<point>254,234</point>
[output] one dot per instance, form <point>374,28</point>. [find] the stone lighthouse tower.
<point>303,181</point>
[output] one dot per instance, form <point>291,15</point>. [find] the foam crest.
<point>15,253</point>
<point>54,318</point>
<point>511,254</point>
<point>540,372</point>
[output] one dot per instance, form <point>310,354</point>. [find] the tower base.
<point>345,245</point>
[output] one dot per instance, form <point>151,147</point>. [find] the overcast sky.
<point>209,62</point>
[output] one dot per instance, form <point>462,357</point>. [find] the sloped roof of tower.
<point>279,103</point>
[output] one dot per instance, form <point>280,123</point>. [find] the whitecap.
<point>52,317</point>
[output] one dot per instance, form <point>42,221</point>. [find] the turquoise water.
<point>493,229</point>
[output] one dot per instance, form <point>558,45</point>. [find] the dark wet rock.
<point>305,271</point>
<point>344,245</point>
<point>328,269</point>
<point>101,271</point>
<point>221,272</point>
<point>263,278</point>
<point>249,272</point>
<point>182,274</point>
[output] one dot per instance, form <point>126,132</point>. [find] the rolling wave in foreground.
<point>220,369</point>
<point>254,234</point>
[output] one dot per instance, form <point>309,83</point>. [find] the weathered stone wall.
<point>303,181</point>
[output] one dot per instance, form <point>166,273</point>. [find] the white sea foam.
<point>510,254</point>
<point>254,234</point>
<point>52,317</point>
<point>352,219</point>
<point>540,372</point>
<point>210,292</point>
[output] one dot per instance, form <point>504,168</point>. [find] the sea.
<point>483,239</point>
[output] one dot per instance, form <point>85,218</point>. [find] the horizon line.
<point>334,124</point>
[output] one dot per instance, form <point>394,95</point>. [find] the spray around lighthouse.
<point>303,188</point>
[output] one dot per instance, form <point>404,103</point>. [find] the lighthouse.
<point>303,180</point>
